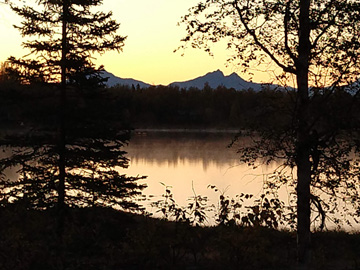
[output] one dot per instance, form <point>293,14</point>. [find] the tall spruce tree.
<point>69,153</point>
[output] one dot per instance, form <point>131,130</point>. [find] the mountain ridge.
<point>114,80</point>
<point>217,78</point>
<point>214,79</point>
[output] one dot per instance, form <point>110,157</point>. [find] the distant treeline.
<point>157,106</point>
<point>167,106</point>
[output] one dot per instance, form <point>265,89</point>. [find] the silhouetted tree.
<point>77,159</point>
<point>314,41</point>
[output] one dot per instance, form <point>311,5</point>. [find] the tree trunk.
<point>303,201</point>
<point>62,131</point>
<point>303,143</point>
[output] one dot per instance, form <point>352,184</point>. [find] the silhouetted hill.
<point>217,78</point>
<point>213,79</point>
<point>114,80</point>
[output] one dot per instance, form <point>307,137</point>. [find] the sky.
<point>152,35</point>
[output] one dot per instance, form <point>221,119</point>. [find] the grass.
<point>103,238</point>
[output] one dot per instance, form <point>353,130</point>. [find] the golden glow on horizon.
<point>152,35</point>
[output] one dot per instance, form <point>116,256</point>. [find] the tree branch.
<point>286,30</point>
<point>258,43</point>
<point>331,23</point>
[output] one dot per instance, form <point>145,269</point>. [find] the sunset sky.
<point>152,35</point>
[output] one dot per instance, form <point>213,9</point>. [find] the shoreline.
<point>187,130</point>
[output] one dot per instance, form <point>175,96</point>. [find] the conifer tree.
<point>74,157</point>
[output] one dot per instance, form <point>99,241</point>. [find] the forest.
<point>152,107</point>
<point>165,106</point>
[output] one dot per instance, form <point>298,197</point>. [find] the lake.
<point>189,162</point>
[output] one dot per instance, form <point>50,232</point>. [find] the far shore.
<point>188,130</point>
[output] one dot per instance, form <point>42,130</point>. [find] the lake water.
<point>188,162</point>
<point>191,161</point>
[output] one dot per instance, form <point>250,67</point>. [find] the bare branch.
<point>286,31</point>
<point>258,43</point>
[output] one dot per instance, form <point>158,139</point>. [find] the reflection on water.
<point>9,173</point>
<point>174,149</point>
<point>189,162</point>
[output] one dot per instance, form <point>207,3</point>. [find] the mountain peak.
<point>114,80</point>
<point>217,78</point>
<point>214,79</point>
<point>234,74</point>
<point>216,72</point>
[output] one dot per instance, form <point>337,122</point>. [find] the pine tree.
<point>74,154</point>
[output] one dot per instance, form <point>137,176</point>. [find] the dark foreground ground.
<point>107,239</point>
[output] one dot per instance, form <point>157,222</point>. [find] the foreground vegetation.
<point>103,238</point>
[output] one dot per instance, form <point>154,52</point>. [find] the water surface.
<point>190,162</point>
